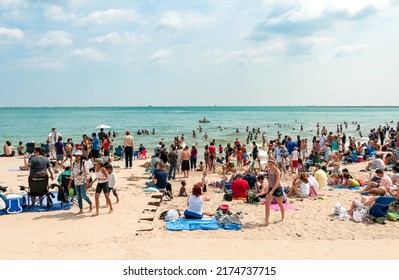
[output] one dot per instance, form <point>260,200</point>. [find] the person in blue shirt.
<point>95,146</point>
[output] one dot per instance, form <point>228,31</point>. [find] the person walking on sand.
<point>275,190</point>
<point>80,176</point>
<point>128,141</point>
<point>102,185</point>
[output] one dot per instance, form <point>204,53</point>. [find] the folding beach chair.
<point>46,149</point>
<point>30,147</point>
<point>63,192</point>
<point>38,187</point>
<point>381,206</point>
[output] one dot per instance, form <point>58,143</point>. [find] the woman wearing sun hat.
<point>80,176</point>
<point>102,185</point>
<point>275,189</point>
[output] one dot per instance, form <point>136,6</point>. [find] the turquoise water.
<point>26,124</point>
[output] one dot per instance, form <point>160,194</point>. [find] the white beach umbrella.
<point>102,126</point>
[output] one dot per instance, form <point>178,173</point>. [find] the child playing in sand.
<point>183,190</point>
<point>111,182</point>
<point>201,167</point>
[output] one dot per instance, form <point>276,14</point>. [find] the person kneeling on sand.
<point>195,203</point>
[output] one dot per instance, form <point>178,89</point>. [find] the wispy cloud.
<point>54,39</point>
<point>161,55</point>
<point>56,13</point>
<point>251,55</point>
<point>89,54</point>
<point>11,33</point>
<point>178,21</point>
<point>111,16</point>
<point>117,38</point>
<point>41,62</point>
<point>348,50</point>
<point>13,3</point>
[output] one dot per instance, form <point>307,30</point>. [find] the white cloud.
<point>89,54</point>
<point>13,3</point>
<point>110,16</point>
<point>178,21</point>
<point>116,38</point>
<point>348,50</point>
<point>55,39</point>
<point>41,62</point>
<point>161,55</point>
<point>10,34</point>
<point>252,55</point>
<point>56,13</point>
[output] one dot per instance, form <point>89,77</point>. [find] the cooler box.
<point>14,203</point>
<point>360,159</point>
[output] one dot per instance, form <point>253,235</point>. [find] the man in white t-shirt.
<point>52,139</point>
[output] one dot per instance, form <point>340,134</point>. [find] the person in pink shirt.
<point>379,184</point>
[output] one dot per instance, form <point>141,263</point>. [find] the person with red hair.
<point>195,203</point>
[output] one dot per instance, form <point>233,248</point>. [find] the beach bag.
<point>228,197</point>
<point>360,214</point>
<point>338,209</point>
<point>172,215</point>
<point>361,182</point>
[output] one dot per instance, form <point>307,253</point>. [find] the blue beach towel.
<point>203,224</point>
<point>351,188</point>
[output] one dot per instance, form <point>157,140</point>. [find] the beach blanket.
<point>151,190</point>
<point>320,196</point>
<point>351,188</point>
<point>203,224</point>
<point>15,170</point>
<point>287,207</point>
<point>56,206</point>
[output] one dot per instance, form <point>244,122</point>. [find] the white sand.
<point>308,233</point>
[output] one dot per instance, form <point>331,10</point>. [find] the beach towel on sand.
<point>351,188</point>
<point>287,207</point>
<point>203,224</point>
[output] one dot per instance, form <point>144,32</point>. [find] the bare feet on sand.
<point>79,213</point>
<point>95,214</point>
<point>110,211</point>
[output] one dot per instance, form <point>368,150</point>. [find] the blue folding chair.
<point>30,147</point>
<point>381,206</point>
<point>46,149</point>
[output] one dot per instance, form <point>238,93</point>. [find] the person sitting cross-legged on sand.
<point>376,163</point>
<point>195,203</point>
<point>300,186</point>
<point>378,184</point>
<point>239,188</point>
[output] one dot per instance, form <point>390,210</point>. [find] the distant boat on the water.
<point>204,120</point>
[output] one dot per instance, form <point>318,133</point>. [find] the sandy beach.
<point>310,232</point>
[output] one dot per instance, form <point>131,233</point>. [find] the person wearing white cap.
<point>80,175</point>
<point>52,139</point>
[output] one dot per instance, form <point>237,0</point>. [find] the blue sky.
<point>226,52</point>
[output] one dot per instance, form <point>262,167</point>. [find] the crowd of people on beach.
<point>315,164</point>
